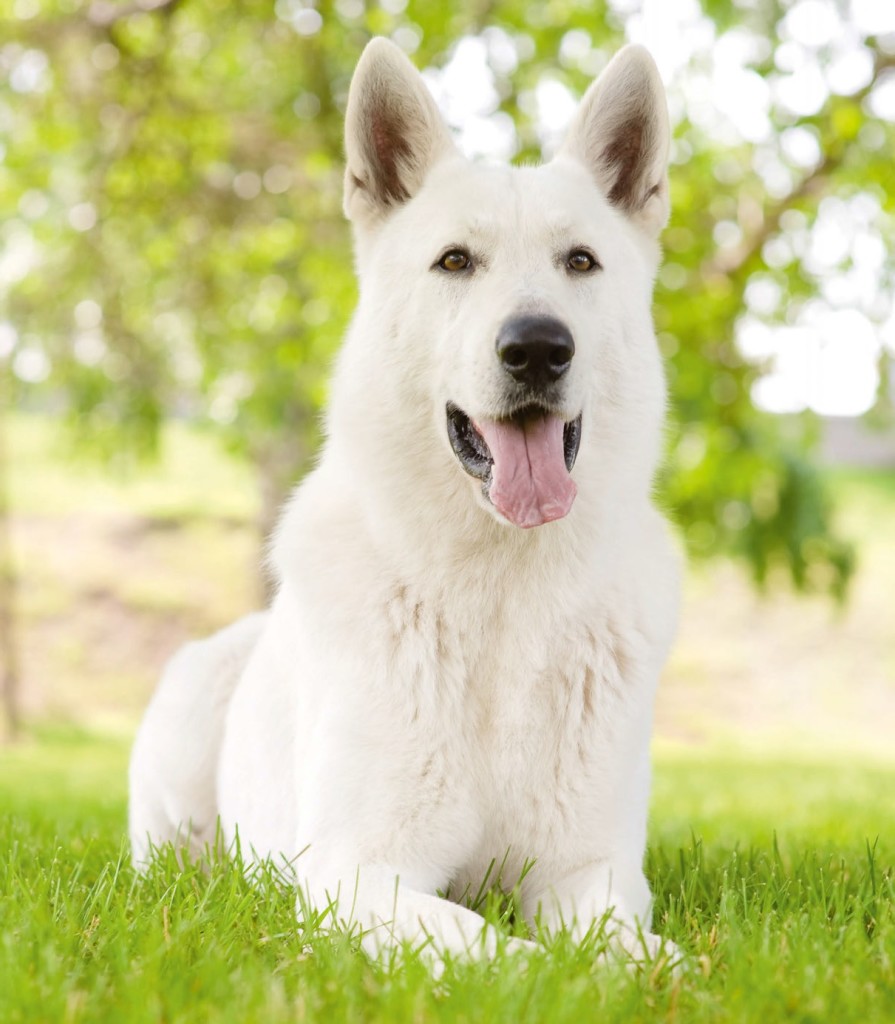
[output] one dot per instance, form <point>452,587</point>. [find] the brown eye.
<point>454,260</point>
<point>581,261</point>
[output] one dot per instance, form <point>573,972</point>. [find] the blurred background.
<point>175,276</point>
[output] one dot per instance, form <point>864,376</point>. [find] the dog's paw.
<point>636,949</point>
<point>491,947</point>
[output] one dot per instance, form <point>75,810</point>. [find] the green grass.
<point>775,878</point>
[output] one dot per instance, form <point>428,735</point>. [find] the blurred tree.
<point>172,186</point>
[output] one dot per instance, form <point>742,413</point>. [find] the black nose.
<point>535,350</point>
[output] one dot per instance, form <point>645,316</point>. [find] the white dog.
<point>476,595</point>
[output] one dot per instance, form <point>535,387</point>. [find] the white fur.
<point>433,688</point>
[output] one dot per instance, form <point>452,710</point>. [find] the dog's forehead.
<point>493,202</point>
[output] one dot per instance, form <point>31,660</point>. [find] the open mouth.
<point>523,461</point>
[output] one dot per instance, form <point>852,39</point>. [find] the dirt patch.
<point>784,669</point>
<point>104,600</point>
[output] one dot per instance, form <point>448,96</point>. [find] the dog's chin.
<point>523,461</point>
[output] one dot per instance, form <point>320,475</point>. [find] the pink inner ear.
<point>386,151</point>
<point>627,158</point>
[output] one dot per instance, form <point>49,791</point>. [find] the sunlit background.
<point>175,276</point>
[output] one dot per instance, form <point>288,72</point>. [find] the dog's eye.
<point>581,261</point>
<point>454,260</point>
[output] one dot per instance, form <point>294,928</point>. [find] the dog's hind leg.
<point>173,769</point>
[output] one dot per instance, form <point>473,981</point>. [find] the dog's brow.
<point>482,228</point>
<point>563,228</point>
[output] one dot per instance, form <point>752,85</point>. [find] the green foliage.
<point>798,925</point>
<point>171,181</point>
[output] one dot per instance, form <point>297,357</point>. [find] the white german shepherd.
<point>476,595</point>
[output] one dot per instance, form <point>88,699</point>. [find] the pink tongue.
<point>530,484</point>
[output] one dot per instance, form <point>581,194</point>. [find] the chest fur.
<point>525,712</point>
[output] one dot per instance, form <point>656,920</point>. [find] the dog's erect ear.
<point>621,134</point>
<point>394,133</point>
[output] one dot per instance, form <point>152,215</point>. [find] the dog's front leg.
<point>389,909</point>
<point>605,895</point>
<point>385,820</point>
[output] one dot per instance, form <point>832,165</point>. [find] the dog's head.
<point>509,307</point>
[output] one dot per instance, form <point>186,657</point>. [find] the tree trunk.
<point>10,691</point>
<point>279,465</point>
